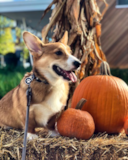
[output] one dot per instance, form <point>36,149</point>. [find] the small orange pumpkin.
<point>107,101</point>
<point>76,123</point>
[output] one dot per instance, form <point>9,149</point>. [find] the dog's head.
<point>53,60</point>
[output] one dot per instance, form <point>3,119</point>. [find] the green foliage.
<point>18,32</point>
<point>121,73</point>
<point>10,77</point>
<point>5,22</point>
<point>18,35</point>
<point>25,52</point>
<point>6,42</point>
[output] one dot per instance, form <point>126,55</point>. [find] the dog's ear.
<point>33,43</point>
<point>64,39</point>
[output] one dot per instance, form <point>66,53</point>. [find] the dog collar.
<point>38,80</point>
<point>29,79</point>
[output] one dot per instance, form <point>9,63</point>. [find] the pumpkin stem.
<point>105,69</point>
<point>80,103</point>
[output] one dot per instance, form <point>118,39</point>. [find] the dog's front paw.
<point>31,136</point>
<point>53,134</point>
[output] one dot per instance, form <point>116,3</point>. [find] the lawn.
<point>10,77</point>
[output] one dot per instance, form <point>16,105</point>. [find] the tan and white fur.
<point>47,99</point>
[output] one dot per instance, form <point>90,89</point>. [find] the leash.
<point>28,81</point>
<point>29,97</point>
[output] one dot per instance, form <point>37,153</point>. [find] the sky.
<point>11,0</point>
<point>6,0</point>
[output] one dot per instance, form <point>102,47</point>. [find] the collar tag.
<point>29,79</point>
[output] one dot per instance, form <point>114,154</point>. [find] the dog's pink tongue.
<point>72,77</point>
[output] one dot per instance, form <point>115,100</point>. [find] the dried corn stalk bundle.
<point>81,18</point>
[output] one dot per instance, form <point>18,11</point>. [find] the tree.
<point>6,40</point>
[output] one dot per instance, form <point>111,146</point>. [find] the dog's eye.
<point>59,53</point>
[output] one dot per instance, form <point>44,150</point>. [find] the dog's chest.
<point>53,103</point>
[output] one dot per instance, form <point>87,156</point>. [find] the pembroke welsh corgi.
<point>53,67</point>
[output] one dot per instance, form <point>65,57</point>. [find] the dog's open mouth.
<point>69,75</point>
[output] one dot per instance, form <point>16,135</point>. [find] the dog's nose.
<point>76,64</point>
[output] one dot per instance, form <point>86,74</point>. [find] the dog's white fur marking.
<point>70,61</point>
<point>31,136</point>
<point>50,106</point>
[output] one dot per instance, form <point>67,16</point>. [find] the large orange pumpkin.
<point>76,123</point>
<point>126,126</point>
<point>107,101</point>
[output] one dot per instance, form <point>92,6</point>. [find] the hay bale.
<point>100,146</point>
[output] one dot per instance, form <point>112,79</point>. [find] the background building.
<point>115,33</point>
<point>27,14</point>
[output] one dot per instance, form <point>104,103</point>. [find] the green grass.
<point>10,77</point>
